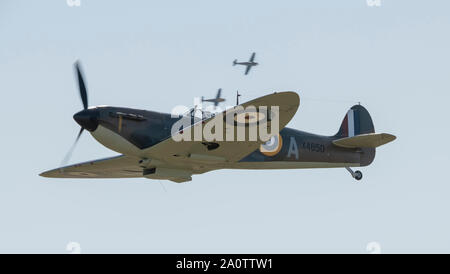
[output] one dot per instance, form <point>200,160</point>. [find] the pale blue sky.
<point>159,54</point>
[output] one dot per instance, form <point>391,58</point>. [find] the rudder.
<point>357,121</point>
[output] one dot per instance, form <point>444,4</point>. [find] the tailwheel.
<point>355,174</point>
<point>358,175</point>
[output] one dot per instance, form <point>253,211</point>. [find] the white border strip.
<point>351,123</point>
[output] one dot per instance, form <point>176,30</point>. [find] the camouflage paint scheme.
<point>132,132</point>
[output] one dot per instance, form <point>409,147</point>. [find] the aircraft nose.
<point>87,119</point>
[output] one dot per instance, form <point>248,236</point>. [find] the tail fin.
<point>219,91</point>
<point>357,132</point>
<point>357,121</point>
<point>234,62</point>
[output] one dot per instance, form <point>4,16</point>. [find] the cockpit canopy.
<point>200,114</point>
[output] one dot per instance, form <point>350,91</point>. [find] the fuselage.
<point>247,63</point>
<point>215,100</point>
<point>132,132</point>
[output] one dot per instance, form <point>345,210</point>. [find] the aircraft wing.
<point>114,167</point>
<point>247,69</point>
<point>253,57</point>
<point>200,154</point>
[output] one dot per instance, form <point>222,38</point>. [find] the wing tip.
<point>294,97</point>
<point>52,173</point>
<point>46,174</point>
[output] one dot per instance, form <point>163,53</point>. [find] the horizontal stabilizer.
<point>365,140</point>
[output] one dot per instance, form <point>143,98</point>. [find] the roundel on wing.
<point>249,117</point>
<point>273,146</point>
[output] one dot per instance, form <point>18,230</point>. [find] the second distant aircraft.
<point>251,63</point>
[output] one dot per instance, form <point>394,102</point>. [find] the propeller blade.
<point>79,134</point>
<point>81,85</point>
<point>69,153</point>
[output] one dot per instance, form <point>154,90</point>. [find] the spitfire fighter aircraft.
<point>216,100</point>
<point>149,148</point>
<point>248,64</point>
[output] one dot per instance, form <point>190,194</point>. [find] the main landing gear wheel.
<point>355,174</point>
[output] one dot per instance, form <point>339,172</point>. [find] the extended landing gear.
<point>355,174</point>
